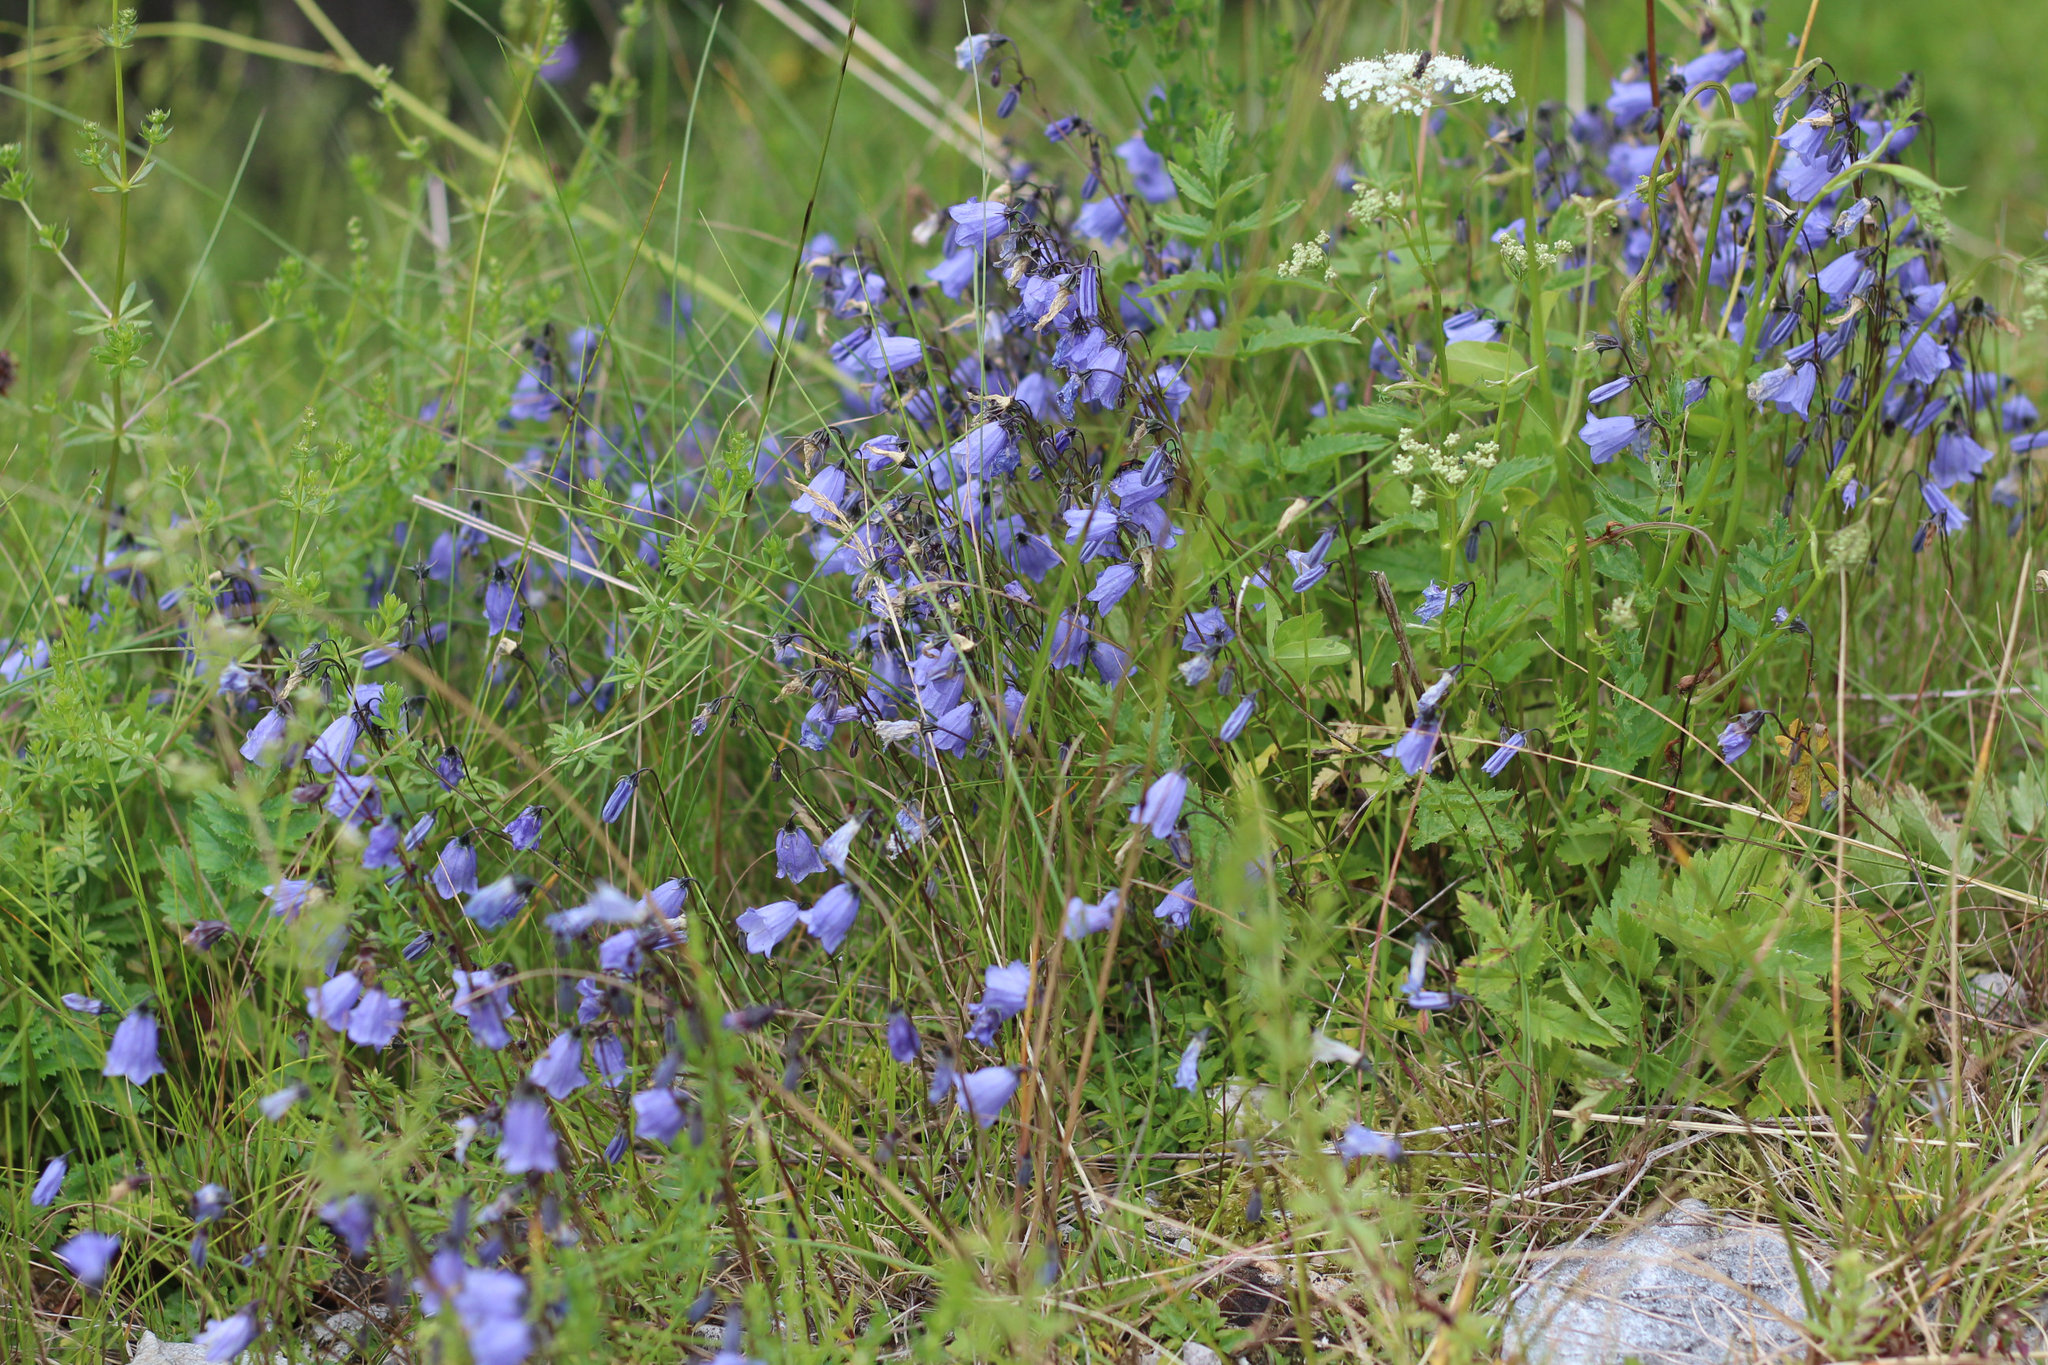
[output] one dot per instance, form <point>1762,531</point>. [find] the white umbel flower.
<point>1409,82</point>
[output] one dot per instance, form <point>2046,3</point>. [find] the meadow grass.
<point>438,496</point>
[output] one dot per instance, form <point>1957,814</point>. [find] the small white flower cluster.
<point>1549,255</point>
<point>1409,82</point>
<point>1446,462</point>
<point>1373,204</point>
<point>2034,296</point>
<point>1308,256</point>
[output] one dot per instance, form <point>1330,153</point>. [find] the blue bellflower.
<point>620,798</point>
<point>796,857</point>
<point>830,920</point>
<point>982,1094</point>
<point>1309,566</point>
<point>657,1117</point>
<point>558,1069</point>
<point>1187,1075</point>
<point>1084,919</point>
<point>455,871</point>
<point>1360,1141</point>
<point>1006,990</point>
<point>529,1140</point>
<point>1239,717</point>
<point>901,1036</point>
<point>1159,808</point>
<point>485,1002</point>
<point>1512,742</point>
<point>375,1020</point>
<point>50,1183</point>
<point>1738,734</point>
<point>132,1055</point>
<point>89,1256</point>
<point>1943,513</point>
<point>498,904</point>
<point>1609,436</point>
<point>767,925</point>
<point>1178,905</point>
<point>225,1339</point>
<point>522,831</point>
<point>353,1220</point>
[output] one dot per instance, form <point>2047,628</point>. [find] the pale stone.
<point>1693,1286</point>
<point>150,1350</point>
<point>1997,996</point>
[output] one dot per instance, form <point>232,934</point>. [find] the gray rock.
<point>152,1351</point>
<point>1997,996</point>
<point>1192,1353</point>
<point>1693,1286</point>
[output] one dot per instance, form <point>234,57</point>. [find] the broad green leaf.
<point>1300,647</point>
<point>1492,366</point>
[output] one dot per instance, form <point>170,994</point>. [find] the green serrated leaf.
<point>1316,451</point>
<point>1264,218</point>
<point>1187,279</point>
<point>1279,334</point>
<point>1181,224</point>
<point>1192,184</point>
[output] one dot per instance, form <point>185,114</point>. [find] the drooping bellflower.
<point>621,797</point>
<point>498,904</point>
<point>225,1339</point>
<point>529,1142</point>
<point>375,1020</point>
<point>1414,750</point>
<point>1437,599</point>
<point>486,1004</point>
<point>767,925</point>
<point>1945,515</point>
<point>50,1183</point>
<point>557,1070</point>
<point>1360,1141</point>
<point>901,1035</point>
<point>830,920</point>
<point>89,1256</point>
<point>329,1003</point>
<point>522,831</point>
<point>1511,743</point>
<point>1609,436</point>
<point>1738,734</point>
<point>491,1306</point>
<point>1159,808</point>
<point>1005,991</point>
<point>353,1219</point>
<point>657,1116</point>
<point>982,1094</point>
<point>132,1055</point>
<point>1309,566</point>
<point>1188,1075</point>
<point>1084,919</point>
<point>796,857</point>
<point>1178,905</point>
<point>455,871</point>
